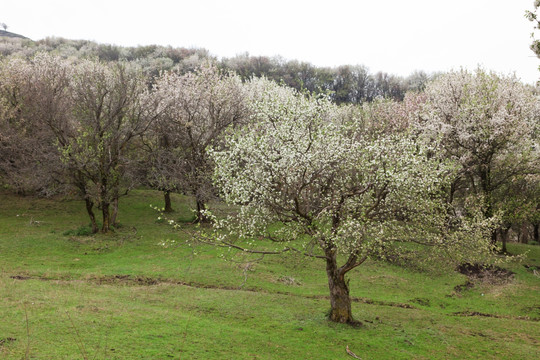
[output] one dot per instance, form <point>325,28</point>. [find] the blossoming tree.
<point>307,177</point>
<point>486,123</point>
<point>200,106</point>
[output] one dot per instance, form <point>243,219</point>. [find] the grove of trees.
<point>335,164</point>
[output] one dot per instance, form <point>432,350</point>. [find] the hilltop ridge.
<point>5,33</point>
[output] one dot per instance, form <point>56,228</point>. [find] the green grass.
<point>67,295</point>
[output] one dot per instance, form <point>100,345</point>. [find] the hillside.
<point>354,84</point>
<point>4,33</point>
<point>126,296</point>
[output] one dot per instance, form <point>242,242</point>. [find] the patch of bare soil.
<point>476,313</point>
<point>5,341</point>
<point>462,287</point>
<point>20,277</point>
<point>125,280</point>
<point>486,273</point>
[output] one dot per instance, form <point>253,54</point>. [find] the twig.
<point>27,353</point>
<point>80,344</point>
<point>246,268</point>
<point>351,353</point>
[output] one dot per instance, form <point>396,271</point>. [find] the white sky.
<point>396,36</point>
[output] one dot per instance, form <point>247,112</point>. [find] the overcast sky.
<point>396,36</point>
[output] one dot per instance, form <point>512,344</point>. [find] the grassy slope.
<point>77,300</point>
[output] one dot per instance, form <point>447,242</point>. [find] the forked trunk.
<point>168,206</point>
<point>89,209</point>
<point>340,300</point>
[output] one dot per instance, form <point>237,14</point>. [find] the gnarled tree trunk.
<point>340,299</point>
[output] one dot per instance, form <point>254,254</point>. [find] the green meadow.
<point>68,295</point>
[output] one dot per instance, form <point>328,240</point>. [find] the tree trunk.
<point>114,213</point>
<point>504,238</point>
<point>89,206</point>
<point>201,207</point>
<point>485,183</point>
<point>168,206</point>
<point>494,239</point>
<point>340,300</point>
<point>452,191</point>
<point>524,233</point>
<point>105,228</point>
<point>536,233</point>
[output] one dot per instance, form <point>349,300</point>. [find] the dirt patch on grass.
<point>5,341</point>
<point>421,301</point>
<point>486,273</point>
<point>20,277</point>
<point>462,287</point>
<point>480,314</point>
<point>125,280</point>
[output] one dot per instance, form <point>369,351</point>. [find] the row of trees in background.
<point>346,84</point>
<point>103,127</point>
